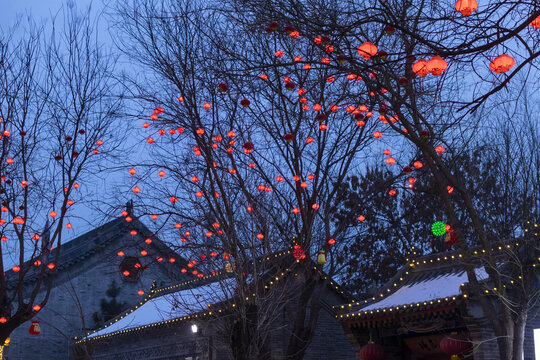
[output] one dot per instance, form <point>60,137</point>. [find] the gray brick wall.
<point>329,341</point>
<point>76,296</point>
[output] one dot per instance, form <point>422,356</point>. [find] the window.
<point>131,268</point>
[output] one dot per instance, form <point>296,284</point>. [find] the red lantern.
<point>34,328</point>
<point>372,351</point>
<point>455,344</point>
<point>248,147</point>
<point>450,238</point>
<point>273,26</point>
<point>436,65</point>
<point>389,29</point>
<point>289,137</point>
<point>536,23</point>
<point>298,253</point>
<point>223,87</point>
<point>502,63</point>
<point>289,85</point>
<point>466,7</point>
<point>420,67</point>
<point>367,50</point>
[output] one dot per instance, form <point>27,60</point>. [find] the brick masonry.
<point>77,293</point>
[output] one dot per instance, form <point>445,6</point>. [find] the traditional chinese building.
<point>101,271</point>
<point>196,320</point>
<point>425,302</point>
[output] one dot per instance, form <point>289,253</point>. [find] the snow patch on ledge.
<point>442,286</point>
<point>172,306</point>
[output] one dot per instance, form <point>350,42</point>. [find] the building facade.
<point>196,320</point>
<point>425,302</point>
<point>89,271</point>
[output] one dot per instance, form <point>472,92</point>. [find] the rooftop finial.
<point>129,207</point>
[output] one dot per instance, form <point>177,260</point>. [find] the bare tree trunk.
<point>302,332</point>
<point>519,335</point>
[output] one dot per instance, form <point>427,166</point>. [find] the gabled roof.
<point>94,241</point>
<point>189,300</point>
<point>199,297</point>
<point>425,283</point>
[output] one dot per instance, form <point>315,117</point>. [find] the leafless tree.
<point>241,164</point>
<point>58,109</point>
<point>435,106</point>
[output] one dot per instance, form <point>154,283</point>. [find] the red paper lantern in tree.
<point>288,137</point>
<point>407,170</point>
<point>436,65</point>
<point>273,26</point>
<point>450,238</point>
<point>288,29</point>
<point>455,345</point>
<point>367,50</point>
<point>372,351</point>
<point>248,147</point>
<point>502,63</point>
<point>439,149</point>
<point>34,328</point>
<point>245,102</point>
<point>420,67</point>
<point>289,85</point>
<point>466,7</point>
<point>389,29</point>
<point>223,87</point>
<point>536,23</point>
<point>298,253</point>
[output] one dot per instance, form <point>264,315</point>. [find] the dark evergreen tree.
<point>396,225</point>
<point>111,308</point>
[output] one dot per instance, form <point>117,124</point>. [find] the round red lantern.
<point>372,351</point>
<point>502,63</point>
<point>455,345</point>
<point>420,67</point>
<point>289,137</point>
<point>367,50</point>
<point>34,328</point>
<point>466,7</point>
<point>248,147</point>
<point>436,65</point>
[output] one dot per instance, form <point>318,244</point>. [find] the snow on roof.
<point>172,306</point>
<point>442,286</point>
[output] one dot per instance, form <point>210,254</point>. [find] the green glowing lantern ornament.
<point>438,228</point>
